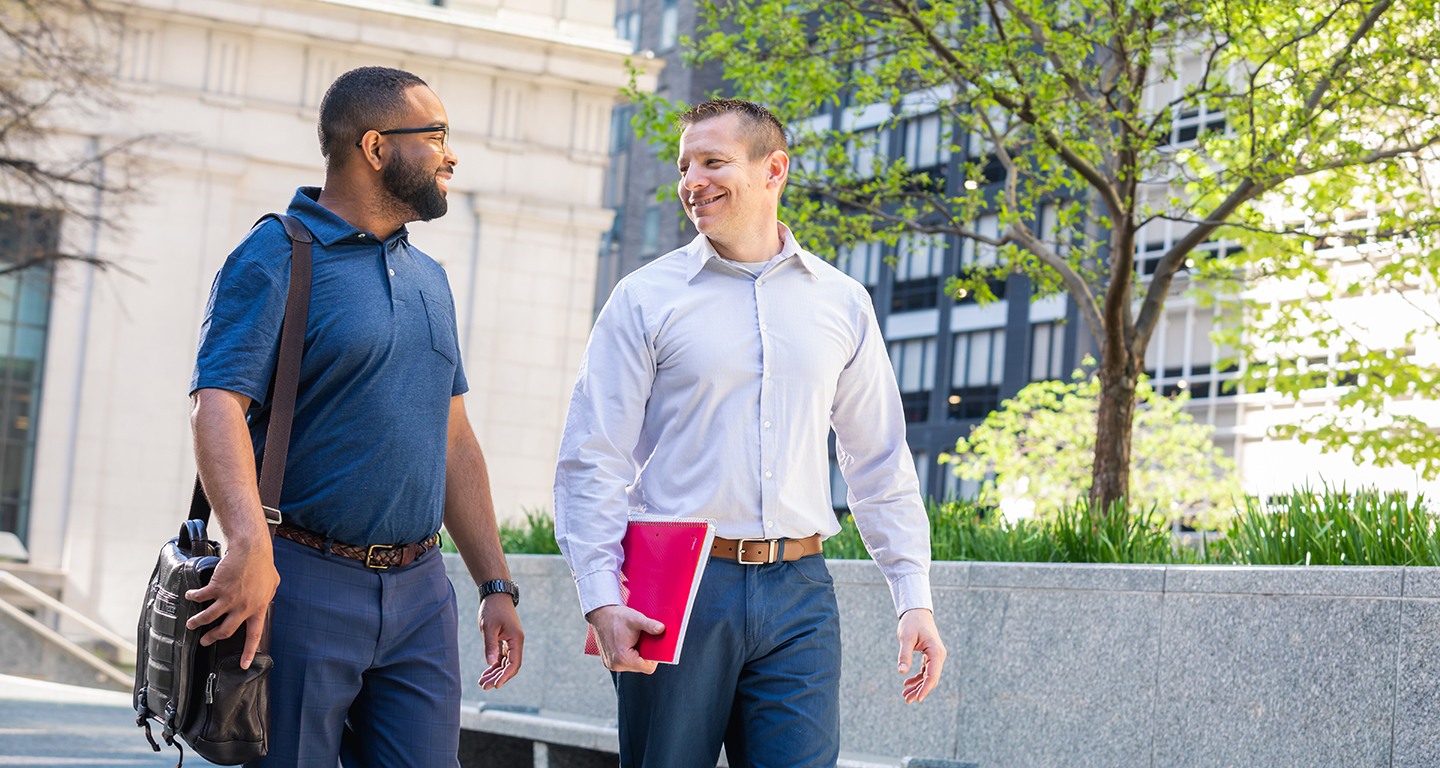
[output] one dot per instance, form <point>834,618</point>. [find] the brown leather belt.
<point>377,556</point>
<point>762,551</point>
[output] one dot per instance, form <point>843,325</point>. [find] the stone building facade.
<point>225,92</point>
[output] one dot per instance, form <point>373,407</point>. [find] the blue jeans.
<point>759,671</point>
<point>367,663</point>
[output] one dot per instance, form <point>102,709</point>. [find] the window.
<point>650,230</point>
<point>975,254</point>
<point>627,21</point>
<point>669,23</point>
<point>923,144</point>
<point>920,262</point>
<point>914,362</point>
<point>922,471</point>
<point>868,148</point>
<point>1183,357</point>
<point>977,370</point>
<point>1047,348</point>
<point>862,262</point>
<point>621,129</point>
<point>1057,239</point>
<point>1158,236</point>
<point>980,150</point>
<point>25,233</point>
<point>1191,122</point>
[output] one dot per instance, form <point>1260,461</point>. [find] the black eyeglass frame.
<point>427,129</point>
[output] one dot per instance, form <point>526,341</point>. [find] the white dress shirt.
<point>708,391</point>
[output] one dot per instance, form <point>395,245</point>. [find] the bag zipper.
<point>210,689</point>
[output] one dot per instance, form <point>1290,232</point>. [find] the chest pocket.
<point>442,327</point>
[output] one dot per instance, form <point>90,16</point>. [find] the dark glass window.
<point>27,238</point>
<point>914,294</point>
<point>1047,349</point>
<point>920,260</point>
<point>914,362</point>
<point>978,368</point>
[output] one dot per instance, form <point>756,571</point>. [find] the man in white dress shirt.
<point>710,385</point>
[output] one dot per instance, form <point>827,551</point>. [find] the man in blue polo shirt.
<point>364,630</point>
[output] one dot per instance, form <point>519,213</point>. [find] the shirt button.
<point>764,327</point>
<point>767,425</point>
<point>768,474</point>
<point>362,235</point>
<point>392,273</point>
<point>770,524</point>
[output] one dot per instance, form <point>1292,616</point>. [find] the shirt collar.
<point>327,228</point>
<point>702,252</point>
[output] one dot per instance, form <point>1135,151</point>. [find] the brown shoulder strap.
<point>287,377</point>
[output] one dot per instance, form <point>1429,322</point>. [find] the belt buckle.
<point>370,552</point>
<point>740,552</point>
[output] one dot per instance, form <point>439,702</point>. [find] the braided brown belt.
<point>377,556</point>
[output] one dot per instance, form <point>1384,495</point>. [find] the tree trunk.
<point>1110,478</point>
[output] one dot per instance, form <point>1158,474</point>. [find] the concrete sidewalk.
<point>45,724</point>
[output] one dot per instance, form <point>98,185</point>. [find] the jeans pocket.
<point>442,327</point>
<point>812,569</point>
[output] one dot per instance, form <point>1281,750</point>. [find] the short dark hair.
<point>763,131</point>
<point>361,100</point>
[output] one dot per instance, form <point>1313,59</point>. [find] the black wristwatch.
<point>500,585</point>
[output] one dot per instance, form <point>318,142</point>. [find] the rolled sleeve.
<point>884,495</point>
<point>597,465</point>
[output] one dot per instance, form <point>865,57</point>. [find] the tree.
<point>56,68</point>
<point>1033,454</point>
<point>1078,123</point>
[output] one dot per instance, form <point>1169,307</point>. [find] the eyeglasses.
<point>445,129</point>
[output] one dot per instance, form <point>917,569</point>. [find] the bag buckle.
<point>370,553</point>
<point>767,558</point>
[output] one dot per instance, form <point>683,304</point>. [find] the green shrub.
<point>1366,527</point>
<point>969,530</point>
<point>534,536</point>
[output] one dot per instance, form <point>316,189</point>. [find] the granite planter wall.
<point>1087,665</point>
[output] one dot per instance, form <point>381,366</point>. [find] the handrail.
<point>67,645</point>
<point>125,646</point>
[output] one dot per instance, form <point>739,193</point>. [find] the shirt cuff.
<point>600,589</point>
<point>911,591</point>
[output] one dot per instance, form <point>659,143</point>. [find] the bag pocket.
<point>236,711</point>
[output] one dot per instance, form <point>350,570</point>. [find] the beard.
<point>413,188</point>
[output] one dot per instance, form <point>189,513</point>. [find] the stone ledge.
<point>1292,580</point>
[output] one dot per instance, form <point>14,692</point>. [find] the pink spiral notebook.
<point>665,559</point>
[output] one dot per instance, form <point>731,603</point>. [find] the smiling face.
<point>725,192</point>
<point>417,177</point>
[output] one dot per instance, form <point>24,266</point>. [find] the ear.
<point>370,150</point>
<point>777,169</point>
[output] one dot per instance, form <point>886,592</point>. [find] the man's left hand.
<point>504,640</point>
<point>917,632</point>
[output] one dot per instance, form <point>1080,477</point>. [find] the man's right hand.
<point>242,587</point>
<point>617,632</point>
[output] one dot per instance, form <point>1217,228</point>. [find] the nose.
<point>693,178</point>
<point>451,159</point>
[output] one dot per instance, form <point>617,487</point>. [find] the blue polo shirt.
<point>367,449</point>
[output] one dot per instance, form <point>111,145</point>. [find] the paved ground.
<point>48,724</point>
